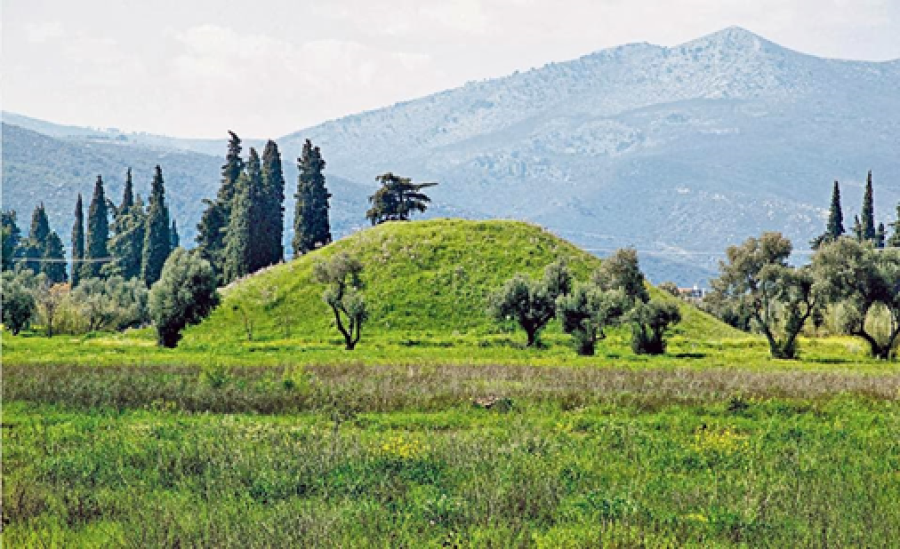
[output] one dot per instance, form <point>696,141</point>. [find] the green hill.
<point>425,278</point>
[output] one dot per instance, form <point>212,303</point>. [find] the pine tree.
<point>894,241</point>
<point>54,265</point>
<point>273,206</point>
<point>867,219</point>
<point>157,240</point>
<point>311,226</point>
<point>215,219</point>
<point>77,241</point>
<point>96,242</point>
<point>880,236</point>
<point>242,236</point>
<point>173,236</point>
<point>397,199</point>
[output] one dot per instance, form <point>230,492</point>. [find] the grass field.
<point>285,439</point>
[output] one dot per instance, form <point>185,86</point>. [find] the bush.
<point>649,323</point>
<point>17,300</point>
<point>185,294</point>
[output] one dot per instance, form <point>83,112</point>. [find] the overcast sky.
<point>264,68</point>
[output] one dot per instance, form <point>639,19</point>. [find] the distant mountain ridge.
<point>677,151</point>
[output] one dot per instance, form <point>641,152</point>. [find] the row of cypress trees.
<point>241,230</point>
<point>864,227</point>
<point>42,251</point>
<point>135,245</point>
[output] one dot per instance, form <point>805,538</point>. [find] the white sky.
<point>264,68</point>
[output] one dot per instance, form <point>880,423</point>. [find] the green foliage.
<point>271,248</point>
<point>96,249</point>
<point>397,199</point>
<point>216,217</point>
<point>185,294</point>
<point>242,238</point>
<point>894,241</point>
<point>587,311</point>
<point>11,236</point>
<point>531,303</point>
<point>779,298</point>
<point>77,241</point>
<point>35,247</point>
<point>127,244</point>
<point>867,217</point>
<point>54,264</point>
<point>621,271</point>
<point>649,323</point>
<point>835,228</point>
<point>157,240</point>
<point>113,303</point>
<point>17,300</point>
<point>862,280</point>
<point>344,295</point>
<point>312,227</point>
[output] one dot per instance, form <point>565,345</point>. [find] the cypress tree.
<point>244,227</point>
<point>894,241</point>
<point>835,215</point>
<point>127,194</point>
<point>215,219</point>
<point>36,246</point>
<point>273,205</point>
<point>173,236</point>
<point>127,244</point>
<point>311,225</point>
<point>857,229</point>
<point>97,233</point>
<point>77,241</point>
<point>157,240</point>
<point>55,259</point>
<point>880,236</point>
<point>11,237</point>
<point>867,219</point>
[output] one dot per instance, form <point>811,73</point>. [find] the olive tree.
<point>17,300</point>
<point>344,295</point>
<point>862,280</point>
<point>649,323</point>
<point>586,311</point>
<point>779,298</point>
<point>185,294</point>
<point>113,303</point>
<point>531,303</point>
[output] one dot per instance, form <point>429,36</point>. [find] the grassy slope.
<point>423,279</point>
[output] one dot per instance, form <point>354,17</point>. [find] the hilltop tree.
<point>863,281</point>
<point>174,239</point>
<point>11,237</point>
<point>215,219</point>
<point>867,219</point>
<point>779,298</point>
<point>312,228</point>
<point>184,295</point>
<point>397,199</point>
<point>531,303</point>
<point>77,241</point>
<point>344,295</point>
<point>894,241</point>
<point>54,265</point>
<point>244,226</point>
<point>835,227</point>
<point>271,248</point>
<point>96,247</point>
<point>157,240</point>
<point>587,311</point>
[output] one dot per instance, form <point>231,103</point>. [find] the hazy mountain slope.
<point>687,148</point>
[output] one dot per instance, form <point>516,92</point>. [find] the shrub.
<point>587,311</point>
<point>531,303</point>
<point>185,294</point>
<point>649,322</point>
<point>17,301</point>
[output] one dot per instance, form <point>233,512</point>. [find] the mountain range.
<point>677,151</point>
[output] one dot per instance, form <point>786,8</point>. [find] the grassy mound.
<point>426,278</point>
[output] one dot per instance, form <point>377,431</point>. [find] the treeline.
<point>127,269</point>
<point>864,227</point>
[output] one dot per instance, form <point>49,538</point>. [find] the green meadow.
<point>442,429</point>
